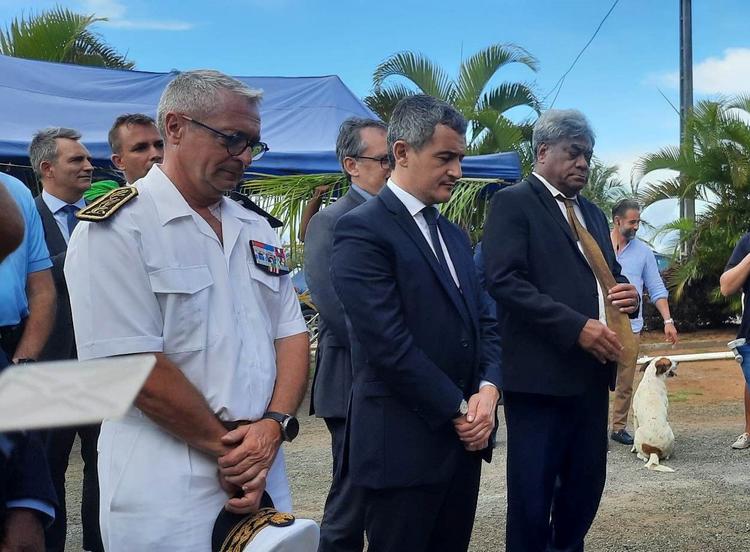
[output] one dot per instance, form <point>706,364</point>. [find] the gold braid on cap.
<point>245,531</point>
<point>107,205</point>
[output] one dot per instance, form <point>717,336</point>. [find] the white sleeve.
<point>115,312</point>
<point>291,321</point>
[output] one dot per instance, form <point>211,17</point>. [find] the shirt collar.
<point>361,191</point>
<point>171,205</point>
<point>554,191</point>
<point>55,204</point>
<point>412,204</point>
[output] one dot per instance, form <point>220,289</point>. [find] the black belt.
<point>231,425</point>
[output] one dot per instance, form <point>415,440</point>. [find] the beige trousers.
<point>624,391</point>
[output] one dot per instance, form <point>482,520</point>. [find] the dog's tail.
<point>653,464</point>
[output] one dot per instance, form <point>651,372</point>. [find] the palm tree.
<point>715,170</point>
<point>484,106</point>
<point>63,36</point>
<point>604,187</point>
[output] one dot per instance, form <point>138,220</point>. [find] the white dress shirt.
<point>415,206</point>
<point>61,218</point>
<point>579,215</point>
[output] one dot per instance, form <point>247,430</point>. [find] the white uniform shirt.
<point>155,278</point>
<point>579,215</point>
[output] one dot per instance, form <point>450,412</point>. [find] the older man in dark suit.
<point>551,268</point>
<point>425,352</point>
<point>363,154</point>
<point>63,166</point>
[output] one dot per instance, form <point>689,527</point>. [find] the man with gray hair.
<point>63,166</point>
<point>363,154</point>
<point>185,273</point>
<point>422,411</point>
<point>550,266</point>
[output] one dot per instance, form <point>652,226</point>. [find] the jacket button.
<point>464,344</point>
<point>461,383</point>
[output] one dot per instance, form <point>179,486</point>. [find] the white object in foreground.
<point>69,393</point>
<point>690,357</point>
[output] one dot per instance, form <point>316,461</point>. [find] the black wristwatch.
<point>25,360</point>
<point>289,424</point>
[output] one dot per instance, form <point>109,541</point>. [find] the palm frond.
<point>427,76</point>
<point>384,99</point>
<point>60,35</point>
<point>477,71</point>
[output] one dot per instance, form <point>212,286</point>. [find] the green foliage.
<point>604,188</point>
<point>285,198</point>
<point>484,106</point>
<point>60,35</point>
<point>716,169</point>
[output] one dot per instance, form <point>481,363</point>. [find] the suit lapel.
<point>552,207</point>
<point>404,219</point>
<point>464,267</point>
<point>54,238</point>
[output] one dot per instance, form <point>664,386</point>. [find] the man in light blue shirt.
<point>639,265</point>
<point>27,499</point>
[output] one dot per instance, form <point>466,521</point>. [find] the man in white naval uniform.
<point>173,272</point>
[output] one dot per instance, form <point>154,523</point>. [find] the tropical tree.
<point>60,35</point>
<point>715,171</point>
<point>483,105</point>
<point>604,187</point>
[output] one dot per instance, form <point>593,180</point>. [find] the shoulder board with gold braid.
<point>107,205</point>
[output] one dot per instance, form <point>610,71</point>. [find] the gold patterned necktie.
<point>617,321</point>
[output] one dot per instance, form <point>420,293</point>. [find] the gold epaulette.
<point>107,205</point>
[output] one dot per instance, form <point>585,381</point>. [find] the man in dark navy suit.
<point>363,154</point>
<point>558,353</point>
<point>425,352</point>
<point>63,166</point>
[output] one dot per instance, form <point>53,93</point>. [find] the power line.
<point>561,80</point>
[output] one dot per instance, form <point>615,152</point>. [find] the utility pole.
<point>687,204</point>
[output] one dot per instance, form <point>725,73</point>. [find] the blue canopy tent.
<point>301,115</point>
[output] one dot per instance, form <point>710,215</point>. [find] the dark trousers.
<point>556,468</point>
<point>343,526</point>
<point>435,518</point>
<point>58,444</point>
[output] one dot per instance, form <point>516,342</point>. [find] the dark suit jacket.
<point>419,345</point>
<point>61,343</point>
<point>546,289</point>
<point>332,382</point>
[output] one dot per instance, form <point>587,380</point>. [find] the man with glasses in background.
<point>190,275</point>
<point>363,153</point>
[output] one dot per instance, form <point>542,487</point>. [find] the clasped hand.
<point>245,467</point>
<point>475,428</point>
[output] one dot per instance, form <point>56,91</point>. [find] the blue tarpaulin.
<point>301,115</point>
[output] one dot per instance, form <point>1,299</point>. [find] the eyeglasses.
<point>384,163</point>
<point>235,143</point>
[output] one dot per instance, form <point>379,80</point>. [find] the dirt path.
<point>703,507</point>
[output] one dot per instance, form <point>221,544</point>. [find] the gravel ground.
<point>703,507</point>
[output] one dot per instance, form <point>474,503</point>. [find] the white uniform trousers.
<point>157,493</point>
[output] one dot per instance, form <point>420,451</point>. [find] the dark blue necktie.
<point>70,217</point>
<point>430,216</point>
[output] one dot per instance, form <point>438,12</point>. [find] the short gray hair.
<point>555,125</point>
<point>623,206</point>
<point>349,142</point>
<point>196,93</point>
<point>414,120</point>
<point>43,146</point>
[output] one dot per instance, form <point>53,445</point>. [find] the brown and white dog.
<point>653,439</point>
